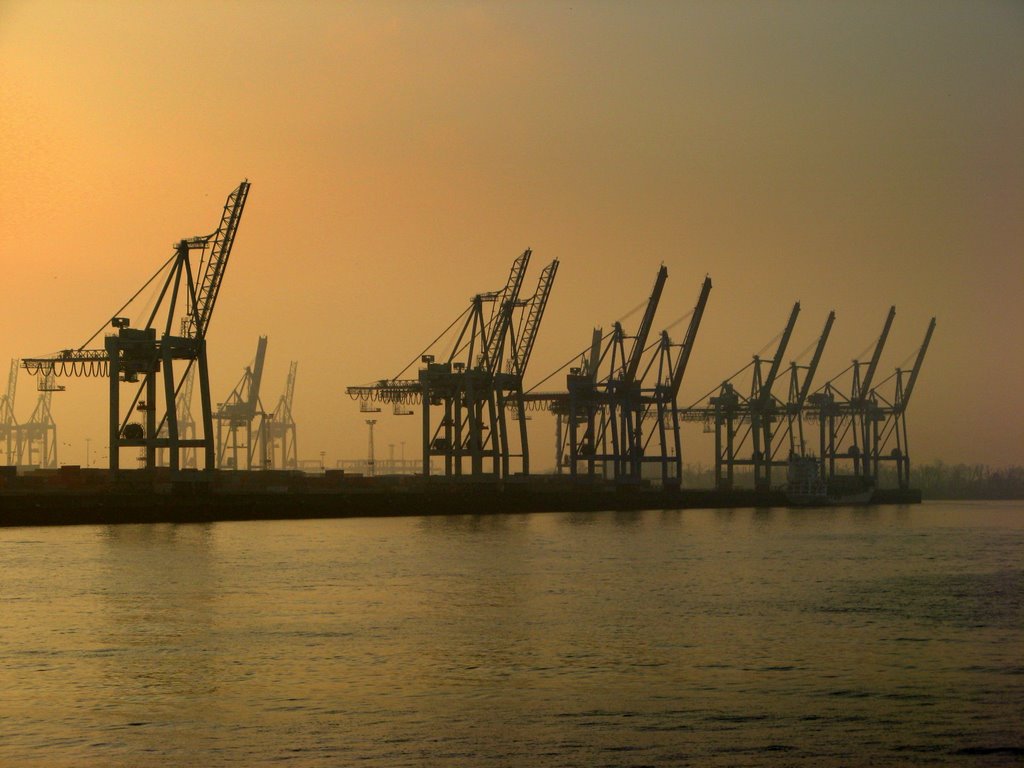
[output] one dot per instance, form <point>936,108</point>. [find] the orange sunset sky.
<point>849,155</point>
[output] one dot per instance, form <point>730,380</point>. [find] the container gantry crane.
<point>843,414</point>
<point>625,390</point>
<point>470,428</point>
<point>666,395</point>
<point>477,383</point>
<point>801,378</point>
<point>235,417</point>
<point>889,440</point>
<point>604,414</point>
<point>508,383</point>
<point>8,421</point>
<point>737,417</point>
<point>37,437</point>
<point>141,355</point>
<point>282,446</point>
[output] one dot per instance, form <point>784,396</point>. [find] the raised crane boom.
<point>212,266</point>
<point>765,392</point>
<point>640,342</point>
<point>501,313</point>
<point>533,318</point>
<point>691,337</point>
<point>865,384</point>
<point>815,359</point>
<point>257,374</point>
<point>283,412</point>
<point>908,391</point>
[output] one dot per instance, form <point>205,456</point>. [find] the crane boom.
<point>289,391</point>
<point>534,317</point>
<point>216,262</point>
<point>257,374</point>
<point>501,313</point>
<point>815,359</point>
<point>917,366</point>
<point>640,342</point>
<point>865,386</point>
<point>691,337</point>
<point>765,393</point>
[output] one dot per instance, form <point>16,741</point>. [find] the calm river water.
<point>854,637</point>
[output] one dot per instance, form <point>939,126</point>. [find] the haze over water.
<point>876,636</point>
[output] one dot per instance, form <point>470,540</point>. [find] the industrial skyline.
<point>845,157</point>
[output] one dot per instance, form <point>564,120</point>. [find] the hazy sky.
<point>848,155</point>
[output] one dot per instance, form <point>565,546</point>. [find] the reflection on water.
<point>756,637</point>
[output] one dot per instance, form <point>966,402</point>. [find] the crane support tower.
<point>186,423</point>
<point>146,356</point>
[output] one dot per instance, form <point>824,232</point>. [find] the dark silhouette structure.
<point>141,355</point>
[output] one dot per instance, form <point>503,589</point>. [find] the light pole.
<point>370,462</point>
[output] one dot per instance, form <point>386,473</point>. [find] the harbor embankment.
<point>72,496</point>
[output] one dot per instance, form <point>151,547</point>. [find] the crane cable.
<point>439,337</point>
<point>134,296</point>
